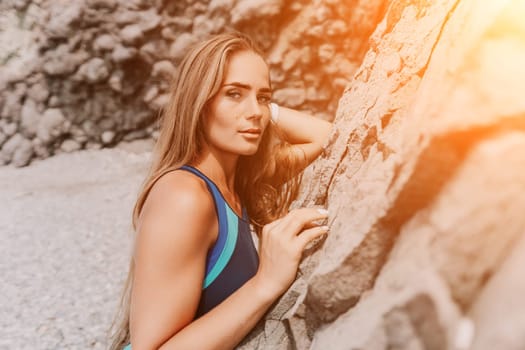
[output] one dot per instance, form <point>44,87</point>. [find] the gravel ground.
<point>65,228</point>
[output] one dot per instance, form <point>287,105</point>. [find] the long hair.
<point>267,190</point>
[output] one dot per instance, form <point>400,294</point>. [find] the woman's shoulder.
<point>176,199</point>
<point>179,185</point>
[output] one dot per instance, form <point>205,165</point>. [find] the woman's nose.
<point>255,108</point>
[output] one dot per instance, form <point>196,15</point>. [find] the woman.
<point>220,164</point>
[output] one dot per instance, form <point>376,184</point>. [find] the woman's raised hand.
<point>281,246</point>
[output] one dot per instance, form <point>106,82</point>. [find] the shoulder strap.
<point>222,250</point>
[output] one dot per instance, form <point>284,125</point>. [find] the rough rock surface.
<point>423,175</point>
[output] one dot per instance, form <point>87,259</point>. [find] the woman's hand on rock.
<point>281,246</point>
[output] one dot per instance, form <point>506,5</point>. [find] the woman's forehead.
<point>247,68</point>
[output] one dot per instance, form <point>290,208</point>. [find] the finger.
<point>310,234</point>
<point>300,219</point>
<point>313,213</point>
<point>314,223</point>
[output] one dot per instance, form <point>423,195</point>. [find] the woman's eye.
<point>233,94</point>
<point>264,99</point>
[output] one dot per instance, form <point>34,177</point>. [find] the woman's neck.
<point>221,170</point>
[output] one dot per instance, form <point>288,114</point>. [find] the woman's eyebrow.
<point>247,87</point>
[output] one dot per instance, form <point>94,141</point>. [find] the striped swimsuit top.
<point>233,259</point>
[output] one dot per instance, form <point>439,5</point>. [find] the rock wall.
<point>92,73</point>
<point>424,180</point>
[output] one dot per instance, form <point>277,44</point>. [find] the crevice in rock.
<point>438,38</point>
<point>385,119</point>
<point>334,173</point>
<point>369,140</point>
<point>384,149</point>
<point>352,138</point>
<point>290,335</point>
<point>398,7</point>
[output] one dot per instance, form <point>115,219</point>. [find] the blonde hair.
<point>267,190</point>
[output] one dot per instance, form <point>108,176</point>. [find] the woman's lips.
<point>251,133</point>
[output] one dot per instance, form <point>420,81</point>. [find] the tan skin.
<point>178,224</point>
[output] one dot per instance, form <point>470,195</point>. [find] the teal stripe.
<point>229,246</point>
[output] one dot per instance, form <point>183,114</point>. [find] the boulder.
<point>65,16</point>
<point>29,118</point>
<point>181,45</point>
<point>122,53</point>
<point>18,150</point>
<point>131,34</point>
<point>105,42</point>
<point>94,71</point>
<point>51,125</point>
<point>69,146</point>
<point>249,10</point>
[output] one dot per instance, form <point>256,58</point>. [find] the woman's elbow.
<point>145,340</point>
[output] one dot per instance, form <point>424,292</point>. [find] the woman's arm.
<point>306,134</point>
<point>172,242</point>
<point>173,235</point>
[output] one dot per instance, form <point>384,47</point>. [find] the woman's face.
<point>239,113</point>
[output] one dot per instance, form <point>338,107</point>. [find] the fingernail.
<point>323,211</point>
<point>326,228</point>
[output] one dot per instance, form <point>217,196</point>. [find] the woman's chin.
<point>249,150</point>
